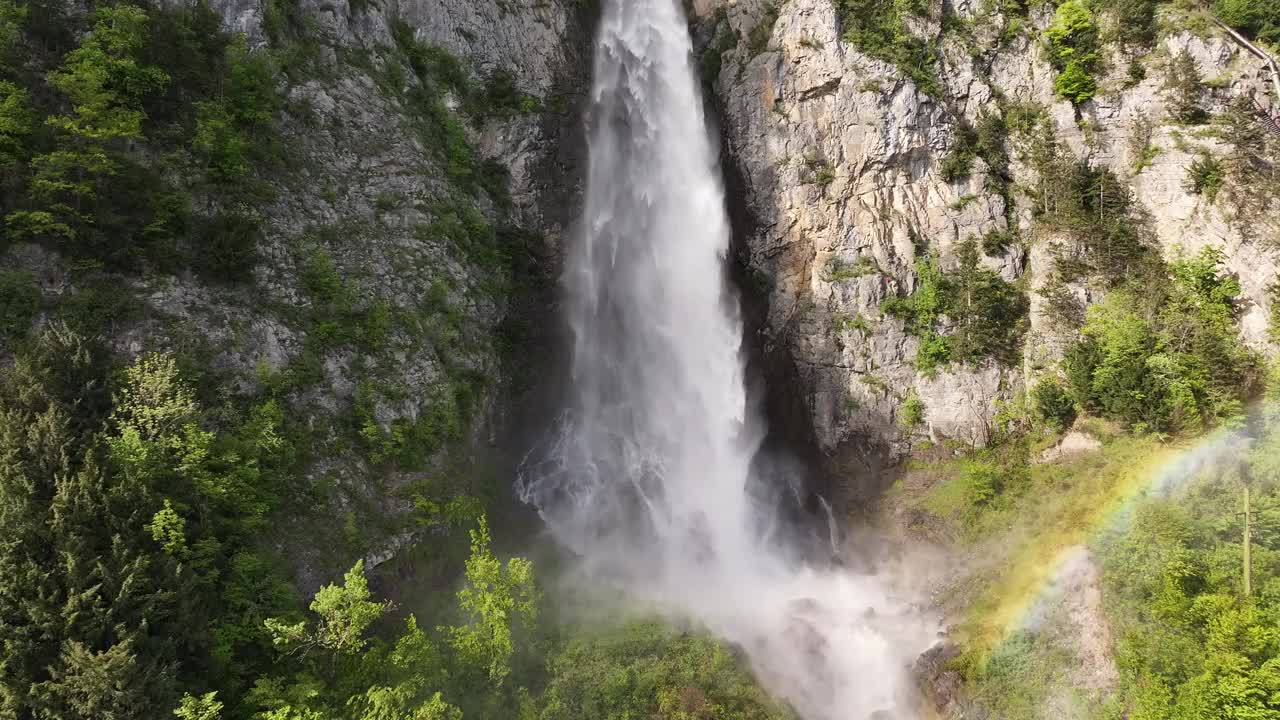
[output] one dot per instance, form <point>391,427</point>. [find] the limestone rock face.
<point>840,158</point>
<point>367,191</point>
<point>366,202</point>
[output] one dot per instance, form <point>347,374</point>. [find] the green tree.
<point>1135,21</point>
<point>1165,361</point>
<point>105,83</point>
<point>1052,403</point>
<point>987,313</point>
<point>104,80</point>
<point>1258,18</point>
<point>231,129</point>
<point>1073,45</point>
<point>497,600</point>
<point>1184,89</point>
<point>204,707</point>
<point>19,302</point>
<point>408,684</point>
<point>964,315</point>
<point>12,17</point>
<point>1075,82</point>
<point>88,618</point>
<point>343,616</point>
<point>85,683</point>
<point>15,123</point>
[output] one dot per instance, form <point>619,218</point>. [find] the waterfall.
<point>648,476</point>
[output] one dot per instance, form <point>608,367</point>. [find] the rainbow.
<point>1029,580</point>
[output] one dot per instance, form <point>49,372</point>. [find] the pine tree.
<point>90,618</point>
<point>105,83</point>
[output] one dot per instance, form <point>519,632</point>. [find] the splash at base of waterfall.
<point>648,476</point>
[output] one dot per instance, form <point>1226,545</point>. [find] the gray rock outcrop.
<point>840,156</point>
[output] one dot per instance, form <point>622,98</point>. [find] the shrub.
<point>19,301</point>
<point>500,97</point>
<point>1052,403</point>
<point>988,140</point>
<point>1205,177</point>
<point>758,38</point>
<point>1273,311</point>
<point>713,58</point>
<point>645,670</point>
<point>878,28</point>
<point>958,162</point>
<point>996,243</point>
<point>911,414</point>
<point>981,482</point>
<point>1184,88</point>
<point>1135,21</point>
<point>227,246</point>
<point>839,271</point>
<point>1075,83</point>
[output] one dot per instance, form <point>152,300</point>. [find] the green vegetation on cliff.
<point>167,81</point>
<point>1167,361</point>
<point>1075,42</point>
<point>1073,50</point>
<point>965,315</point>
<point>1257,18</point>
<point>167,514</point>
<point>879,29</point>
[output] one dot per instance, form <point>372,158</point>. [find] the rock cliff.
<point>843,161</point>
<point>396,236</point>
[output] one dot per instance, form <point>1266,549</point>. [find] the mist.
<point>647,479</point>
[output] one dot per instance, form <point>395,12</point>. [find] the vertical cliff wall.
<point>400,254</point>
<point>845,166</point>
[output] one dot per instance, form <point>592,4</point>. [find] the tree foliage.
<point>1190,643</point>
<point>1109,236</point>
<point>106,84</point>
<point>1165,362</point>
<point>98,143</point>
<point>878,28</point>
<point>649,671</point>
<point>123,523</point>
<point>1073,48</point>
<point>497,601</point>
<point>1257,18</point>
<point>1185,88</point>
<point>965,315</point>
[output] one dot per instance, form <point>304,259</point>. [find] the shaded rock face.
<point>939,684</point>
<point>367,179</point>
<point>366,202</point>
<point>841,158</point>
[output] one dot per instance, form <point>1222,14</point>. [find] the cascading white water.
<point>649,474</point>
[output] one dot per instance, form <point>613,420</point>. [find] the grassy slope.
<point>1014,543</point>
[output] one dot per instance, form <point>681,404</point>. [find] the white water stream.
<point>649,476</point>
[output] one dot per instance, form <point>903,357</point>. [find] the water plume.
<point>648,476</point>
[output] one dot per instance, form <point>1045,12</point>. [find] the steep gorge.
<point>353,332</point>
